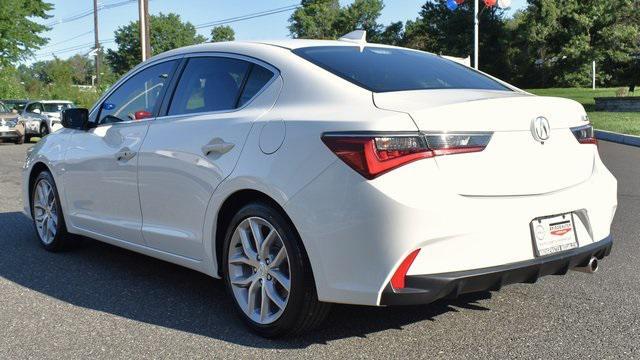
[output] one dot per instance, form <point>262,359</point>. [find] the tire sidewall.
<point>297,264</point>
<point>57,242</point>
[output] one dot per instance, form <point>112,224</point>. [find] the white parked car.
<point>43,117</point>
<point>308,172</point>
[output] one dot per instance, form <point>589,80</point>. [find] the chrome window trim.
<point>135,71</point>
<point>273,69</point>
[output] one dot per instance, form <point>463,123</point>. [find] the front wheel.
<point>268,274</point>
<point>46,210</point>
<point>44,130</point>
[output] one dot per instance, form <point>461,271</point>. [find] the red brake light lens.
<point>374,155</point>
<point>398,280</point>
<point>585,134</point>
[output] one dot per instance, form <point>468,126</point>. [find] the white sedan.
<point>308,172</point>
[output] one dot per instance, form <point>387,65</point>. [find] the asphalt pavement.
<point>98,301</point>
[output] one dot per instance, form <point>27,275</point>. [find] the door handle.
<point>125,155</point>
<point>217,146</point>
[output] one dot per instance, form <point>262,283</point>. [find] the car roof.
<point>293,44</point>
<point>235,46</point>
<point>55,102</point>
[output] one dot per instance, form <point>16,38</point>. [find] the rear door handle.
<point>217,146</point>
<point>125,154</point>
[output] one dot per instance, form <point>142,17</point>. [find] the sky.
<point>71,37</point>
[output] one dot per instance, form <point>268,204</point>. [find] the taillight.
<point>585,134</point>
<point>398,280</point>
<point>372,155</point>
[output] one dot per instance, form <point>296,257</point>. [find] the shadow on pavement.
<point>105,278</point>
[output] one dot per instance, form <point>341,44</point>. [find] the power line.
<point>89,12</point>
<point>200,26</point>
<point>66,40</point>
<point>248,16</point>
<point>72,48</point>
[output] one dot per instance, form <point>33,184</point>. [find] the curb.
<point>618,138</point>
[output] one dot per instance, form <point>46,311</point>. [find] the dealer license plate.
<point>553,234</point>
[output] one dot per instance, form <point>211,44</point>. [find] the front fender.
<point>50,153</point>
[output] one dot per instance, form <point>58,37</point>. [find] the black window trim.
<point>95,111</point>
<point>164,112</point>
<point>156,110</point>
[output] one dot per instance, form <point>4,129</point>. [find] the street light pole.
<point>476,30</point>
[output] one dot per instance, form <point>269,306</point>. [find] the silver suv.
<point>43,117</point>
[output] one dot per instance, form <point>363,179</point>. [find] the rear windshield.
<point>381,69</point>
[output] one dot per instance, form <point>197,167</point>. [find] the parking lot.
<point>100,301</point>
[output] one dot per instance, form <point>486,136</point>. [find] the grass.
<point>621,122</point>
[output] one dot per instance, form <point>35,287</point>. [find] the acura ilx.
<point>311,172</point>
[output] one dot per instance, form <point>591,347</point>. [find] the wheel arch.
<point>230,206</point>
<point>36,169</point>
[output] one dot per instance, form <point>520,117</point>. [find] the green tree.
<point>10,85</point>
<point>556,42</point>
<point>315,19</point>
<point>222,33</point>
<point>82,69</point>
<point>167,32</point>
<point>326,19</point>
<point>391,35</point>
<point>443,31</point>
<point>19,34</point>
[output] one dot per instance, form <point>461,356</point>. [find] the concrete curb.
<point>618,138</point>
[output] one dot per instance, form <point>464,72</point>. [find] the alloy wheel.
<point>259,270</point>
<point>45,212</point>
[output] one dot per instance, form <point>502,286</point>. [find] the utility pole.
<point>476,30</point>
<point>145,45</point>
<point>97,42</point>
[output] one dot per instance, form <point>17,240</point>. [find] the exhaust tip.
<point>591,266</point>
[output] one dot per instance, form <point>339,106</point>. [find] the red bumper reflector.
<point>398,278</point>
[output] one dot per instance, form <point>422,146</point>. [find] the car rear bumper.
<point>357,232</point>
<point>9,135</point>
<point>424,289</point>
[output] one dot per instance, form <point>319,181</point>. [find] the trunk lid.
<point>514,163</point>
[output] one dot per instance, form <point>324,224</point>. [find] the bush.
<point>10,86</point>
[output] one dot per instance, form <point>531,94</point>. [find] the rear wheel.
<point>268,274</point>
<point>48,219</point>
<point>44,130</point>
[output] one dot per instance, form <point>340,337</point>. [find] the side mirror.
<point>36,111</point>
<point>77,118</point>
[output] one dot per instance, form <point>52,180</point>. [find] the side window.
<point>32,107</point>
<point>139,97</point>
<point>258,78</point>
<point>209,84</point>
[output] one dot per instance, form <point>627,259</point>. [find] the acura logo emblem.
<point>540,129</point>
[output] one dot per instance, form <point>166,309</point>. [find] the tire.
<point>27,138</point>
<point>49,209</point>
<point>296,311</point>
<point>44,130</point>
<point>20,140</point>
